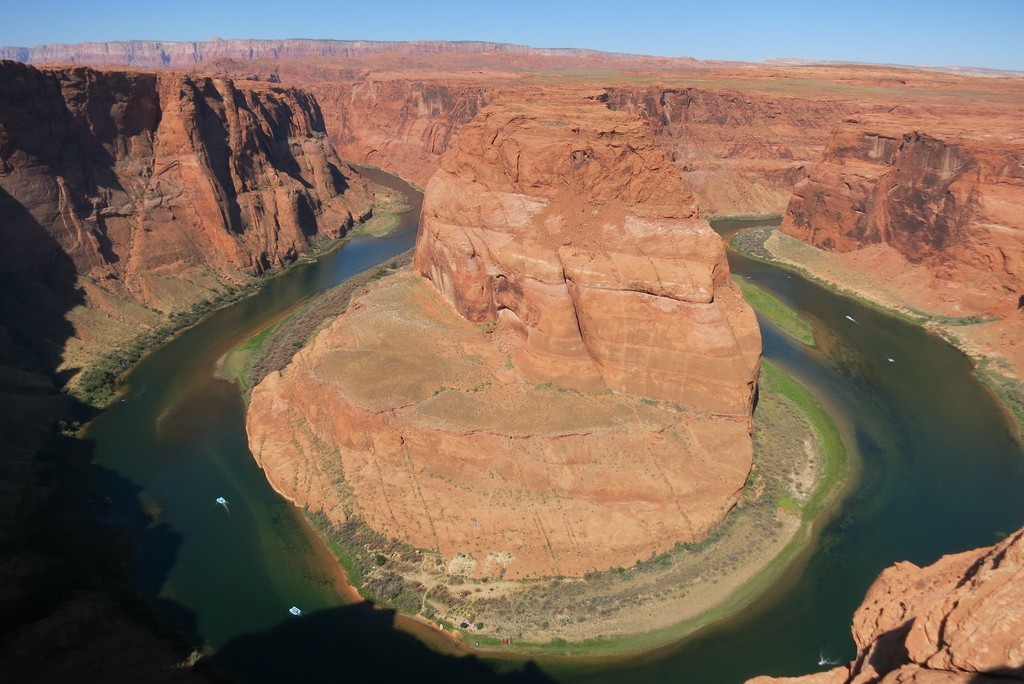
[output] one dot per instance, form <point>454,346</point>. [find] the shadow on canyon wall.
<point>71,603</point>
<point>67,612</point>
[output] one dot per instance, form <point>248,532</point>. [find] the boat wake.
<point>825,660</point>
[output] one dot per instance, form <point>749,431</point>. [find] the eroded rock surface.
<point>933,209</point>
<point>563,224</point>
<point>162,187</point>
<point>960,619</point>
<point>469,412</point>
<point>946,199</point>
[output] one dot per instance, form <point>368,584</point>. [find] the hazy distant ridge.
<point>148,53</point>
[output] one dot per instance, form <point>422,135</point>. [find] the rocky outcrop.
<point>469,413</point>
<point>740,152</point>
<point>958,620</point>
<point>941,198</point>
<point>562,222</point>
<point>162,188</point>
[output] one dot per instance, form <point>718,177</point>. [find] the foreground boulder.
<point>960,619</point>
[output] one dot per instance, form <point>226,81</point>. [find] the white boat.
<point>294,610</point>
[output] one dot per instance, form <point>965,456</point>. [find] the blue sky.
<point>987,33</point>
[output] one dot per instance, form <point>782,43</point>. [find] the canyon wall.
<point>740,152</point>
<point>162,188</point>
<point>960,619</point>
<point>925,214</point>
<point>403,125</point>
<point>468,413</point>
<point>943,198</point>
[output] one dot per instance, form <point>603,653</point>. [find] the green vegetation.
<point>785,318</point>
<point>835,463</point>
<point>97,384</point>
<point>1010,393</point>
<point>791,485</point>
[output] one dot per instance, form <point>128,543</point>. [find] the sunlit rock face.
<point>563,385</point>
<point>960,619</point>
<point>562,222</point>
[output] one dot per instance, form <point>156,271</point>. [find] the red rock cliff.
<point>562,221</point>
<point>163,187</point>
<point>948,199</point>
<point>739,152</point>
<point>958,620</point>
<point>403,125</point>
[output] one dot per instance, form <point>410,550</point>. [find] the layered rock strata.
<point>162,187</point>
<point>960,619</point>
<point>739,152</point>
<point>468,413</point>
<point>950,201</point>
<point>588,249</point>
<point>932,210</point>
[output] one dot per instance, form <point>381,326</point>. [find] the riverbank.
<point>998,366</point>
<point>799,466</point>
<point>273,347</point>
<point>97,382</point>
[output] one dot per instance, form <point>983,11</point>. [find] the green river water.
<point>937,472</point>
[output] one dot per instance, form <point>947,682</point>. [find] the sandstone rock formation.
<point>739,152</point>
<point>933,209</point>
<point>947,199</point>
<point>162,188</point>
<point>401,124</point>
<point>575,264</point>
<point>960,619</point>
<point>563,223</point>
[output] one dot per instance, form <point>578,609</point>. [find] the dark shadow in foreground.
<point>352,643</point>
<point>67,610</point>
<point>1007,674</point>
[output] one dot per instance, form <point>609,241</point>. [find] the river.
<point>937,472</point>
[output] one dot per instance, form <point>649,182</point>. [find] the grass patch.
<point>772,308</point>
<point>835,461</point>
<point>1010,394</point>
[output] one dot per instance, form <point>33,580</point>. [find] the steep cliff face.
<point>958,620</point>
<point>739,152</point>
<point>402,125</point>
<point>942,199</point>
<point>562,222</point>
<point>469,413</point>
<point>161,187</point>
